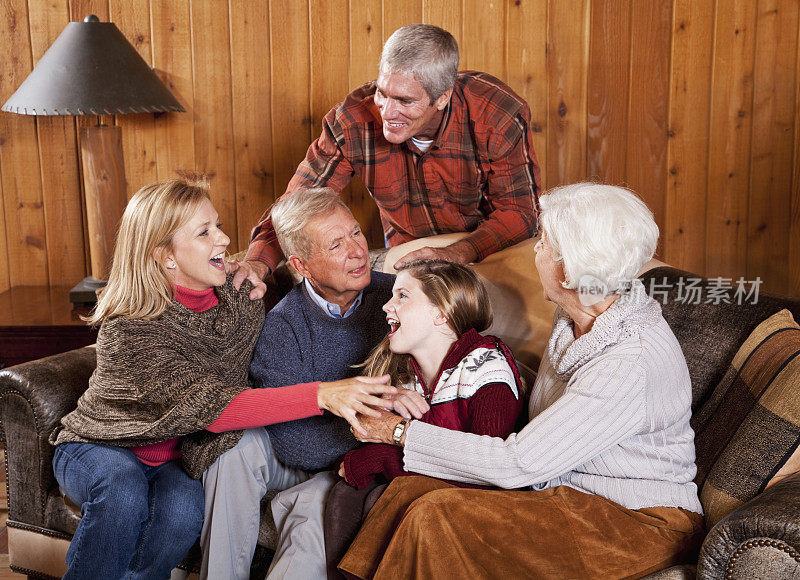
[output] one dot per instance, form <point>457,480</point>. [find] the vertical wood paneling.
<point>330,62</point>
<point>213,138</point>
<point>397,13</point>
<point>447,14</point>
<point>648,115</point>
<point>729,139</point>
<point>5,91</point>
<point>132,17</point>
<point>58,156</point>
<point>330,57</point>
<point>366,41</point>
<point>566,68</point>
<point>251,78</point>
<point>80,9</point>
<point>19,158</point>
<point>687,154</point>
<point>172,59</point>
<point>526,52</point>
<point>5,281</point>
<point>620,90</point>
<point>609,61</point>
<point>484,31</point>
<point>794,233</point>
<point>291,83</point>
<point>775,76</point>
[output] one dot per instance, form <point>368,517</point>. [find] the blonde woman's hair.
<point>138,285</point>
<point>294,210</point>
<point>455,290</point>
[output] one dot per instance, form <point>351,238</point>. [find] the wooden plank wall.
<point>693,103</point>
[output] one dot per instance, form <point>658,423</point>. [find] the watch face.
<point>398,431</point>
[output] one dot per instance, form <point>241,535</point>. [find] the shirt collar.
<point>440,135</point>
<point>330,308</point>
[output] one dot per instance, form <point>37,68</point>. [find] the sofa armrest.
<point>34,396</point>
<point>760,539</point>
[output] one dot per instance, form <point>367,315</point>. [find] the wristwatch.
<point>399,430</point>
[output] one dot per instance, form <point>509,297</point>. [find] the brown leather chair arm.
<point>34,396</point>
<point>760,539</point>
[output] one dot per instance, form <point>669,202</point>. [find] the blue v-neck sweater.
<point>300,343</point>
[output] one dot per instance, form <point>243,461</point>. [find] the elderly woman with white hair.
<point>603,472</point>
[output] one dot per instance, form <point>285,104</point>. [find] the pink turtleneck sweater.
<point>250,408</point>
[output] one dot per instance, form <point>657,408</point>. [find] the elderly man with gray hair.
<point>320,330</point>
<point>323,327</point>
<point>439,150</point>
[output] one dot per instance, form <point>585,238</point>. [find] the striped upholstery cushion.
<point>750,426</point>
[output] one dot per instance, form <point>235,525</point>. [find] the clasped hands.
<point>367,403</point>
<point>377,424</point>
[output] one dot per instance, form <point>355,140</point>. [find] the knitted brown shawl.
<point>170,377</point>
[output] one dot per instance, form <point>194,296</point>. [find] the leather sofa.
<point>761,538</point>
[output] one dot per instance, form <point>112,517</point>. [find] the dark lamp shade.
<point>91,69</point>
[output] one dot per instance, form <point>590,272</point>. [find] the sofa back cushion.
<point>709,331</point>
<point>750,425</point>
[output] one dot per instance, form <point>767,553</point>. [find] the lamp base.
<point>86,291</point>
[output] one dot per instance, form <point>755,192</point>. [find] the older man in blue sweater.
<point>325,325</point>
<point>320,331</point>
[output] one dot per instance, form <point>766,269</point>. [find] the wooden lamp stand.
<point>105,188</point>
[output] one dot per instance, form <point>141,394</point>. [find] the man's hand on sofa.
<point>460,252</point>
<point>251,270</point>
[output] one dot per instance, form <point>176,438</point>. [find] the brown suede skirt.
<point>426,528</point>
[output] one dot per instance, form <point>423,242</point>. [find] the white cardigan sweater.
<point>609,415</point>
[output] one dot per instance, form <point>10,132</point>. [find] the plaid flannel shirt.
<point>480,175</point>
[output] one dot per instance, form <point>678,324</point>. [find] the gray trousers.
<point>299,513</point>
<point>234,486</point>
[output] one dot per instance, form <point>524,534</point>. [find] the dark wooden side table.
<point>38,321</point>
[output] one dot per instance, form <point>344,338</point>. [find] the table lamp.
<point>91,69</point>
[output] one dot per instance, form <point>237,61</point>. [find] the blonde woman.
<point>170,393</point>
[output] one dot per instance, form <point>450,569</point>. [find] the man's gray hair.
<point>602,233</point>
<point>427,52</point>
<point>293,212</point>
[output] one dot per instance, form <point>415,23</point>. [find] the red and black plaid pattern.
<point>479,176</point>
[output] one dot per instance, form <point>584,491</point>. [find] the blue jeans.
<point>138,521</point>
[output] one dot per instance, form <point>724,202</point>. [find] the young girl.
<point>471,382</point>
<point>170,393</point>
<point>434,348</point>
